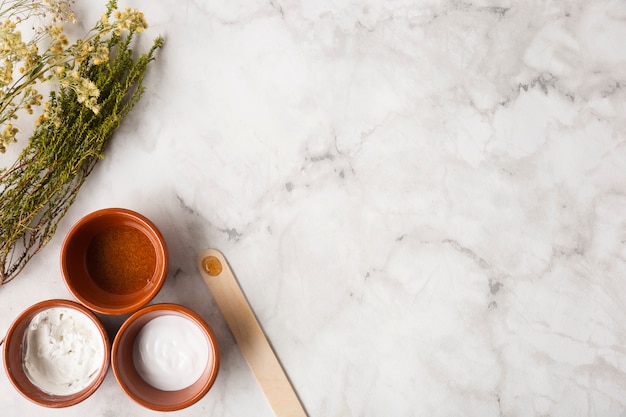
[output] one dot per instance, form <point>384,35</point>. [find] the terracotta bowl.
<point>125,369</point>
<point>14,349</point>
<point>114,261</point>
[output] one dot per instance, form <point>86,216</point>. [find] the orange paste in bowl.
<point>121,259</point>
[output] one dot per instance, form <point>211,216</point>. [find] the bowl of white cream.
<point>165,357</point>
<point>56,353</point>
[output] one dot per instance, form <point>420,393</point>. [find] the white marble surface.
<point>424,201</point>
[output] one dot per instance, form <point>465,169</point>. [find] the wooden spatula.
<point>249,335</point>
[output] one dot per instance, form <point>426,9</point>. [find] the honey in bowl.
<point>120,259</point>
<point>114,261</point>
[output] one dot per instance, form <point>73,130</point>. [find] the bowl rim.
<point>161,251</point>
<point>59,401</point>
<point>198,320</point>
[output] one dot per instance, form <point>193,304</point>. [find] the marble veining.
<point>422,200</point>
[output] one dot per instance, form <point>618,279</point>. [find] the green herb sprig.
<point>38,189</point>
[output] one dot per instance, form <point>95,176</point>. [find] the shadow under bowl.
<point>14,354</point>
<point>131,381</point>
<point>114,261</point>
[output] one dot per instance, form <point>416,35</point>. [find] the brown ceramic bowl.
<point>114,261</point>
<point>131,381</point>
<point>14,350</point>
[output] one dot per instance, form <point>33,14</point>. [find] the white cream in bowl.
<point>63,351</point>
<point>170,352</point>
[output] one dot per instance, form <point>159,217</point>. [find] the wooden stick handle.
<point>249,335</point>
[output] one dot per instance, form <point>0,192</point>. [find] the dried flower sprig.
<point>55,64</point>
<point>38,189</point>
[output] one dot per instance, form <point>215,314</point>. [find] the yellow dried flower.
<point>101,55</point>
<point>61,10</point>
<point>59,71</point>
<point>6,73</point>
<point>55,31</point>
<point>57,55</point>
<point>133,20</point>
<point>104,20</point>
<point>7,136</point>
<point>45,115</point>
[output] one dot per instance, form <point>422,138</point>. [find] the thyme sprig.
<point>38,189</point>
